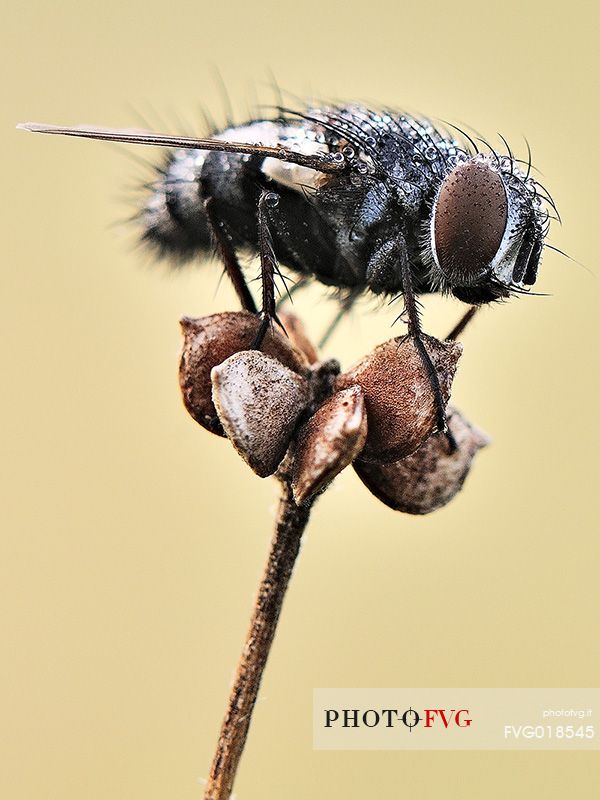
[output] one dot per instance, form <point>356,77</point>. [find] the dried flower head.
<point>288,413</point>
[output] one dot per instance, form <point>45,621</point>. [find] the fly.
<point>358,199</point>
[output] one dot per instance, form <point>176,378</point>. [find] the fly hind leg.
<point>226,251</point>
<point>345,305</point>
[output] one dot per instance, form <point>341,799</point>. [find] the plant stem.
<point>285,545</point>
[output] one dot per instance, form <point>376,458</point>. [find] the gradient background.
<point>133,541</point>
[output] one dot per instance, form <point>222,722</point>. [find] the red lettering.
<point>446,717</point>
<point>430,717</point>
<point>465,722</point>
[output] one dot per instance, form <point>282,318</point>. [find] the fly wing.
<point>323,162</point>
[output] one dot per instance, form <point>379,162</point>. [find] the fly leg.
<point>414,330</point>
<point>462,324</point>
<point>344,307</point>
<point>226,251</point>
<point>268,267</point>
<point>295,287</point>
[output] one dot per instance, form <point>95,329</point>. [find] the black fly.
<point>358,199</point>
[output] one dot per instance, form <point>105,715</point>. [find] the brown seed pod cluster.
<point>285,411</point>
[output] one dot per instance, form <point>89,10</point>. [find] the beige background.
<point>132,540</point>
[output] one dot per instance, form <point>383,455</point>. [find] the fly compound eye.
<point>469,220</point>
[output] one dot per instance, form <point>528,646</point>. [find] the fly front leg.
<point>414,330</point>
<point>383,269</point>
<point>268,267</point>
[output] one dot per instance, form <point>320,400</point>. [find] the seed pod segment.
<point>259,402</point>
<point>401,405</point>
<point>208,341</point>
<point>429,478</point>
<point>328,442</point>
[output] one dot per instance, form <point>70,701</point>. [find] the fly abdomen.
<point>173,219</point>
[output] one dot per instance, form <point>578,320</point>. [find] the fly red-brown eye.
<point>469,221</point>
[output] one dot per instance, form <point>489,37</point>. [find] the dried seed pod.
<point>208,341</point>
<point>328,442</point>
<point>294,328</point>
<point>401,405</point>
<point>259,401</point>
<point>429,478</point>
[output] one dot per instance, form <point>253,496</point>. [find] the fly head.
<point>486,230</point>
